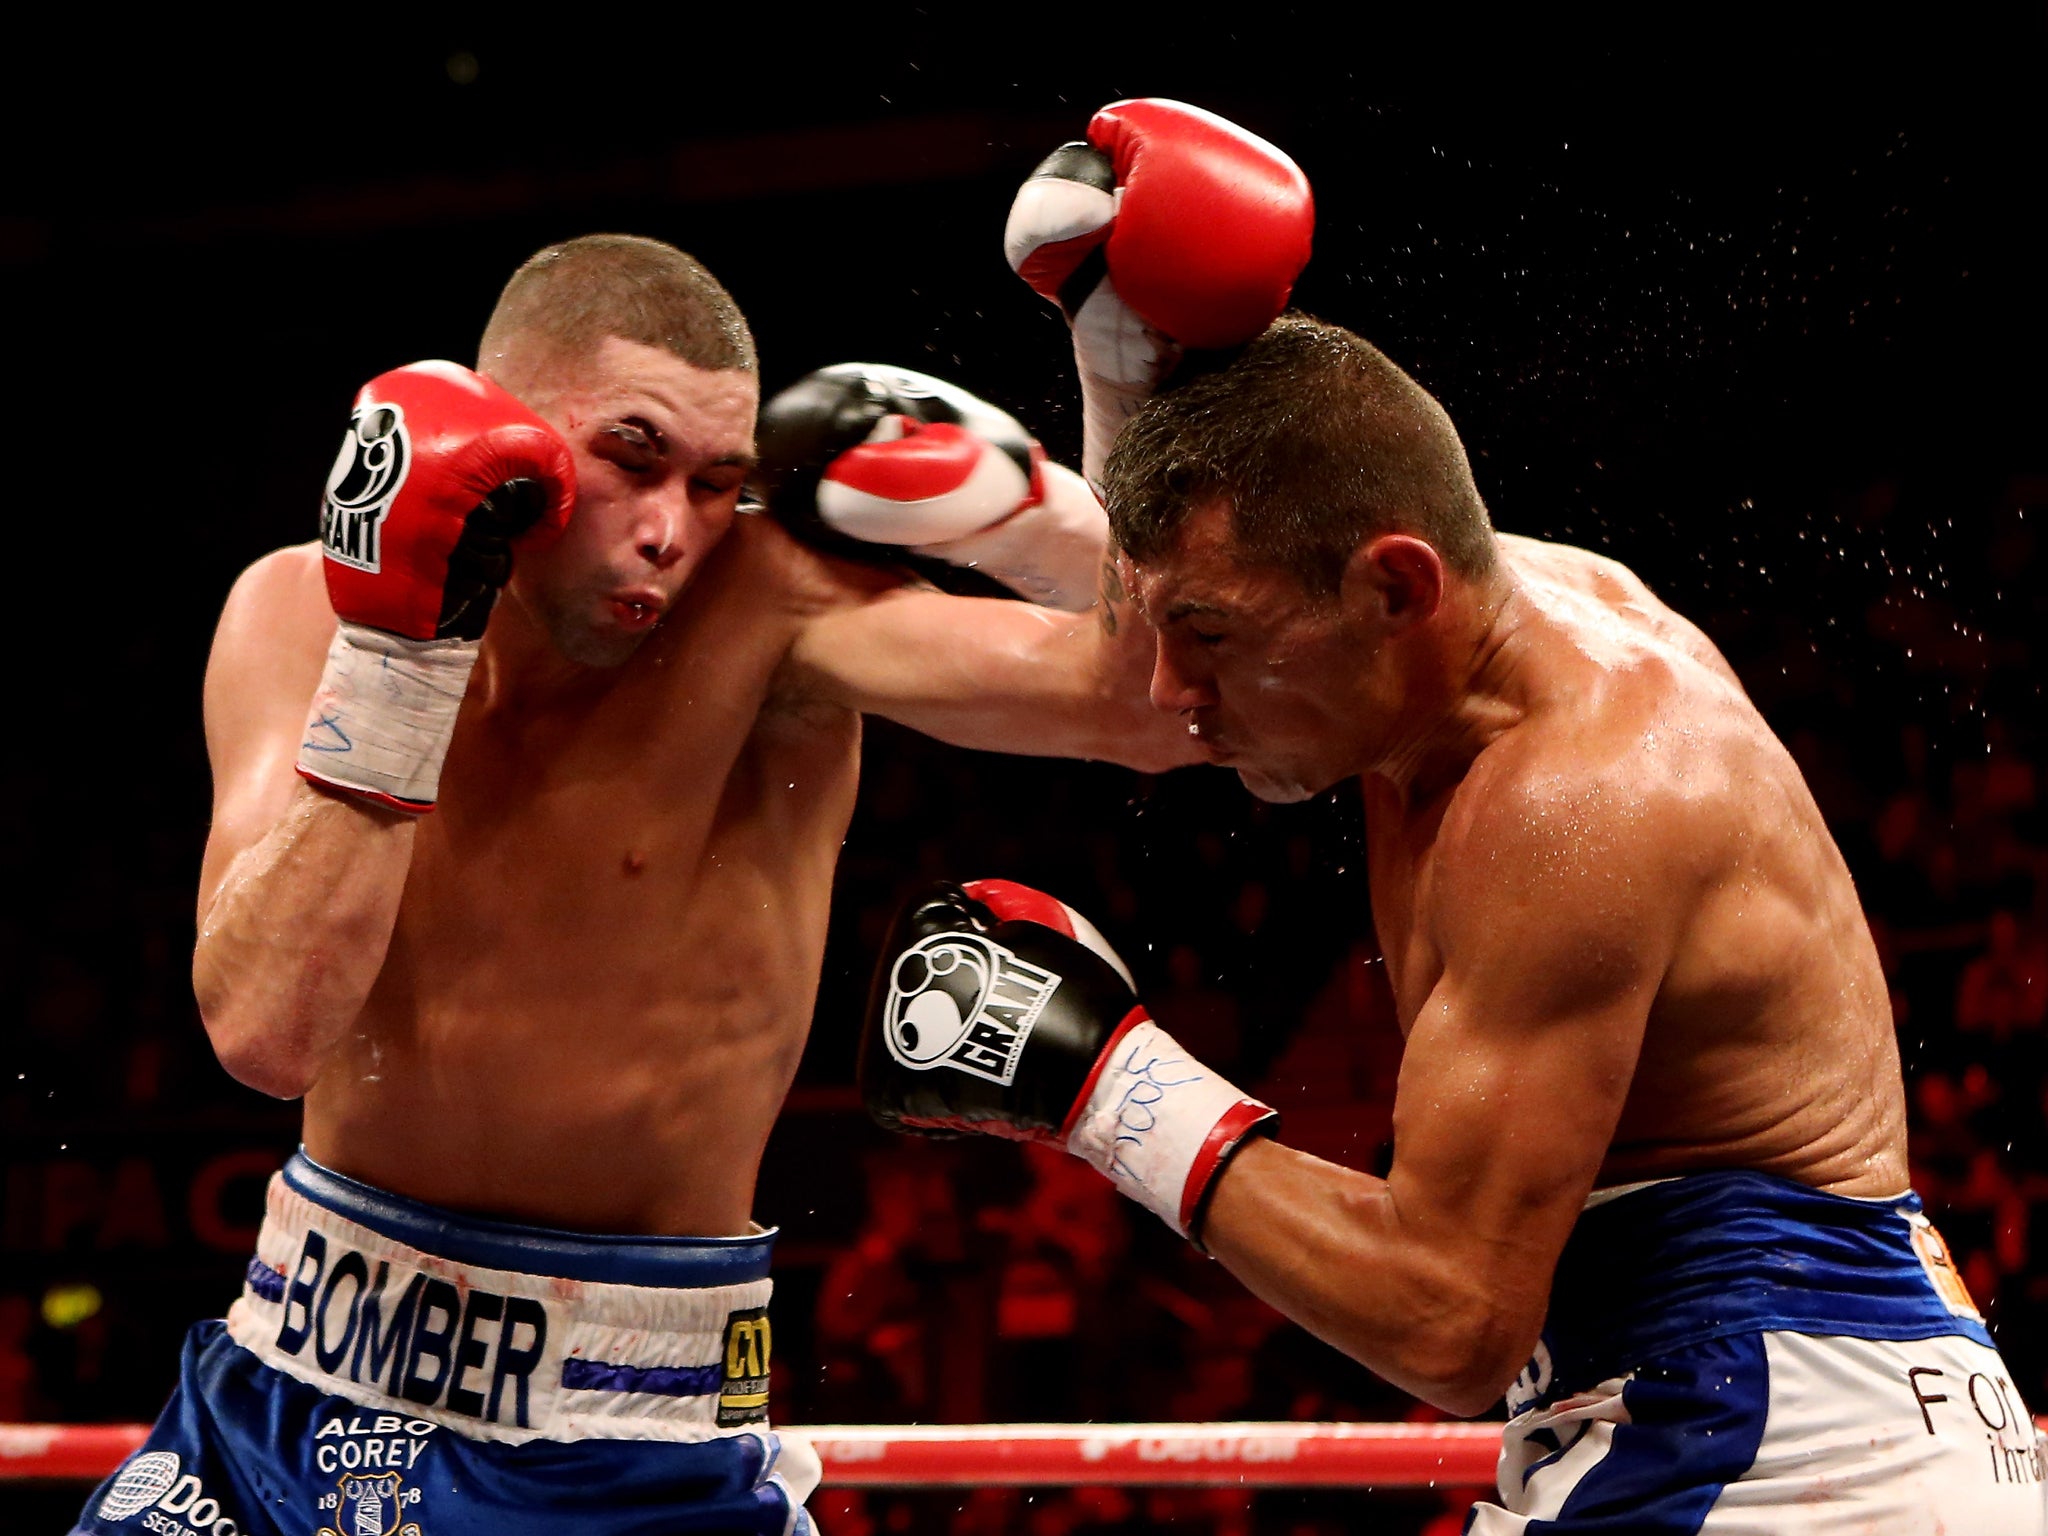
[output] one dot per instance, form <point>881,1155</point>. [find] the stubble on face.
<point>577,638</point>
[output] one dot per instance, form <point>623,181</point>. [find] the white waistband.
<point>1600,1197</point>
<point>495,1354</point>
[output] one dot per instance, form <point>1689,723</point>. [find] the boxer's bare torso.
<point>1768,1042</point>
<point>575,994</point>
<point>1621,942</point>
<point>604,961</point>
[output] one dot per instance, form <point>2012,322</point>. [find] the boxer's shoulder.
<point>1564,788</point>
<point>285,584</point>
<point>1614,790</point>
<point>745,607</point>
<point>1609,608</point>
<point>277,609</point>
<point>808,579</point>
<point>809,584</point>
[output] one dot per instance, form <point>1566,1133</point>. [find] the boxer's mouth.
<point>1211,741</point>
<point>636,608</point>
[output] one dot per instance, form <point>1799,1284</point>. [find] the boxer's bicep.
<point>1506,1103</point>
<point>997,674</point>
<point>1555,927</point>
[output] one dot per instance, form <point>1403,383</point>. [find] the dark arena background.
<point>1753,305</point>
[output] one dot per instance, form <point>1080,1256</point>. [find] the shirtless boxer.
<point>511,1282</point>
<point>1650,1135</point>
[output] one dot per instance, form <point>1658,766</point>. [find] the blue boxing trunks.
<point>1736,1353</point>
<point>396,1370</point>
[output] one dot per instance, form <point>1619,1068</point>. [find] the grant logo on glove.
<point>959,1000</point>
<point>367,476</point>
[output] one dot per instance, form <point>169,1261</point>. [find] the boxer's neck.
<point>1453,686</point>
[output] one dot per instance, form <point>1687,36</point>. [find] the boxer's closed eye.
<point>635,446</point>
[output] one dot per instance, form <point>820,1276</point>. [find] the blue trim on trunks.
<point>265,1281</point>
<point>1711,1255</point>
<point>661,1380</point>
<point>672,1263</point>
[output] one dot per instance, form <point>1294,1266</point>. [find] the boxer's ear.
<point>1392,581</point>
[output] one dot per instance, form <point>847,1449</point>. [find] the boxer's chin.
<point>588,648</point>
<point>1273,788</point>
<point>592,640</point>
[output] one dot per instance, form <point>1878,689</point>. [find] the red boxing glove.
<point>1170,228</point>
<point>1212,225</point>
<point>440,472</point>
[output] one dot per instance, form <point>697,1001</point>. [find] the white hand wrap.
<point>1121,361</point>
<point>383,714</point>
<point>1050,551</point>
<point>1161,1125</point>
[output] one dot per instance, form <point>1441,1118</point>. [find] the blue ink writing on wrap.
<point>1137,1111</point>
<point>332,723</point>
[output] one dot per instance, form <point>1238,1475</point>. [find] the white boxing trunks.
<point>1735,1354</point>
<point>395,1369</point>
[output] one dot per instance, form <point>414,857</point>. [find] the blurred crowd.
<point>966,1281</point>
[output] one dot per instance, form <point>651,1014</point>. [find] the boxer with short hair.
<point>530,778</point>
<point>1649,1133</point>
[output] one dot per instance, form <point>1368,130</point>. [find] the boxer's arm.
<point>299,889</point>
<point>997,674</point>
<point>1555,928</point>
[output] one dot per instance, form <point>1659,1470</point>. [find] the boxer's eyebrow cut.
<point>642,437</point>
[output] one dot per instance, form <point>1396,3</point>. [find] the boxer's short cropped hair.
<point>571,296</point>
<point>1317,442</point>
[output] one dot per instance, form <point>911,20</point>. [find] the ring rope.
<point>1246,1455</point>
<point>1237,1455</point>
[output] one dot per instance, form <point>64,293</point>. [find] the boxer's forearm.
<point>295,935</point>
<point>1332,1249</point>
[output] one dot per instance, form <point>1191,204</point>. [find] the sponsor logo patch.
<point>1941,1268</point>
<point>375,454</point>
<point>142,1482</point>
<point>170,1505</point>
<point>743,1397</point>
<point>956,1000</point>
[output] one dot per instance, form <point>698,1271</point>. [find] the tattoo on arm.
<point>1112,594</point>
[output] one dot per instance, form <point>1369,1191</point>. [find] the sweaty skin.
<point>575,993</point>
<point>1621,941</point>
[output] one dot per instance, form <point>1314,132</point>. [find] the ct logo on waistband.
<point>743,1397</point>
<point>956,1000</point>
<point>370,1506</point>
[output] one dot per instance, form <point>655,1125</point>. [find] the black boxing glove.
<point>861,458</point>
<point>998,1009</point>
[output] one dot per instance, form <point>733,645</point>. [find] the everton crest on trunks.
<point>367,474</point>
<point>373,1504</point>
<point>958,1000</point>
